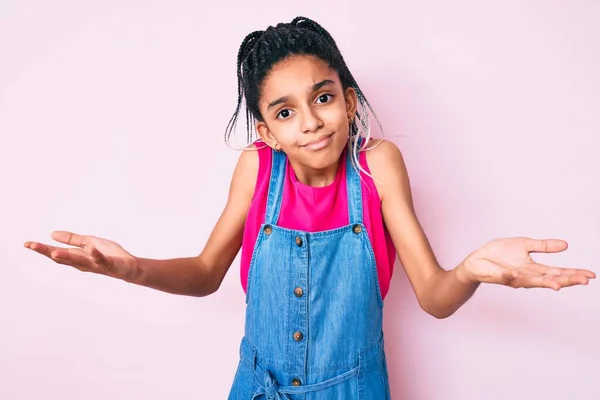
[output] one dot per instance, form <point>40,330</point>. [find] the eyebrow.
<point>315,87</point>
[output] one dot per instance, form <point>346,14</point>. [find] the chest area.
<point>313,209</point>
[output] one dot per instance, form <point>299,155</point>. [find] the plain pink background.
<point>112,116</point>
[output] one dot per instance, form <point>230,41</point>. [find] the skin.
<point>296,112</point>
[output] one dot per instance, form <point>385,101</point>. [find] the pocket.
<point>372,378</point>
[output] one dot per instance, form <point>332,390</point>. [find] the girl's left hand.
<point>508,262</point>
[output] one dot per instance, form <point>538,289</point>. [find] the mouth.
<point>318,143</point>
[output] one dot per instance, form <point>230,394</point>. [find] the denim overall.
<point>313,309</point>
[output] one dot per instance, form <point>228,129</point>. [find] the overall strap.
<point>353,184</point>
<point>275,187</point>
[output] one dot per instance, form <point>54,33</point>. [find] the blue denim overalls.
<point>314,309</point>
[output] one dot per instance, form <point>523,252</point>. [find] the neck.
<point>315,177</point>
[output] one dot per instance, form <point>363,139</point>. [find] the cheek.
<point>338,122</point>
<point>342,128</point>
<point>341,139</point>
<point>288,135</point>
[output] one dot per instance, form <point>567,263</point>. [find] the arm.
<point>202,275</point>
<point>439,292</point>
<point>194,276</point>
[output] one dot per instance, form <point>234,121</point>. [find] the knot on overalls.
<point>271,389</point>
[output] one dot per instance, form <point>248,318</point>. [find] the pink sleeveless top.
<point>314,209</point>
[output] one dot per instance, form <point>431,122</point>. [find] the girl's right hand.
<point>90,254</point>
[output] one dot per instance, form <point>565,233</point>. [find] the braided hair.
<point>261,50</point>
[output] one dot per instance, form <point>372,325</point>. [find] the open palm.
<point>508,262</point>
<point>89,254</point>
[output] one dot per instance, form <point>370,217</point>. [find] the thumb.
<point>507,275</point>
<point>100,259</point>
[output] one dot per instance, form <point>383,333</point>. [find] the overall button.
<point>268,229</point>
<point>296,382</point>
<point>298,336</point>
<point>357,228</point>
<point>298,240</point>
<point>298,292</point>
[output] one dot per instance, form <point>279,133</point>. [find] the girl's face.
<point>306,113</point>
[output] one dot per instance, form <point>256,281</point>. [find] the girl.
<point>320,212</point>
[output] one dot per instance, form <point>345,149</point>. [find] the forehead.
<point>295,75</point>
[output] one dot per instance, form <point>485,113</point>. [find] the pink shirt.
<point>312,209</point>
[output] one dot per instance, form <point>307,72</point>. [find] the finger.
<point>551,282</point>
<point>70,238</point>
<point>76,258</point>
<point>556,271</point>
<point>559,282</point>
<point>541,269</point>
<point>41,248</point>
<point>587,273</point>
<point>537,281</point>
<point>571,280</point>
<point>570,272</point>
<point>545,245</point>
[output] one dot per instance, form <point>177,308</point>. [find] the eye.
<point>285,113</point>
<point>324,98</point>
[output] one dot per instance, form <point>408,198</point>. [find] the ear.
<point>266,135</point>
<point>351,103</point>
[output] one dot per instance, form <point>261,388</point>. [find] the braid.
<point>314,26</point>
<point>261,50</point>
<point>245,49</point>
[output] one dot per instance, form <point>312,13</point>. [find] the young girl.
<point>320,212</point>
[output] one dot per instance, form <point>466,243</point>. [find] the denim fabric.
<point>314,310</point>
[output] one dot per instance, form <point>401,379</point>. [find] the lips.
<point>319,142</point>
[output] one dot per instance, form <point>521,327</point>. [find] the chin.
<point>324,158</point>
<point>319,165</point>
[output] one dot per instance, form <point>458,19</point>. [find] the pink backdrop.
<point>112,116</point>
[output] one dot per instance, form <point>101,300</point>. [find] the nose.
<point>310,121</point>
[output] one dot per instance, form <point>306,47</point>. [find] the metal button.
<point>298,336</point>
<point>357,228</point>
<point>298,292</point>
<point>268,229</point>
<point>298,240</point>
<point>296,382</point>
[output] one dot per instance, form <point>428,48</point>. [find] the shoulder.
<point>253,168</point>
<point>378,150</point>
<point>246,171</point>
<point>248,159</point>
<point>251,156</point>
<point>386,164</point>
